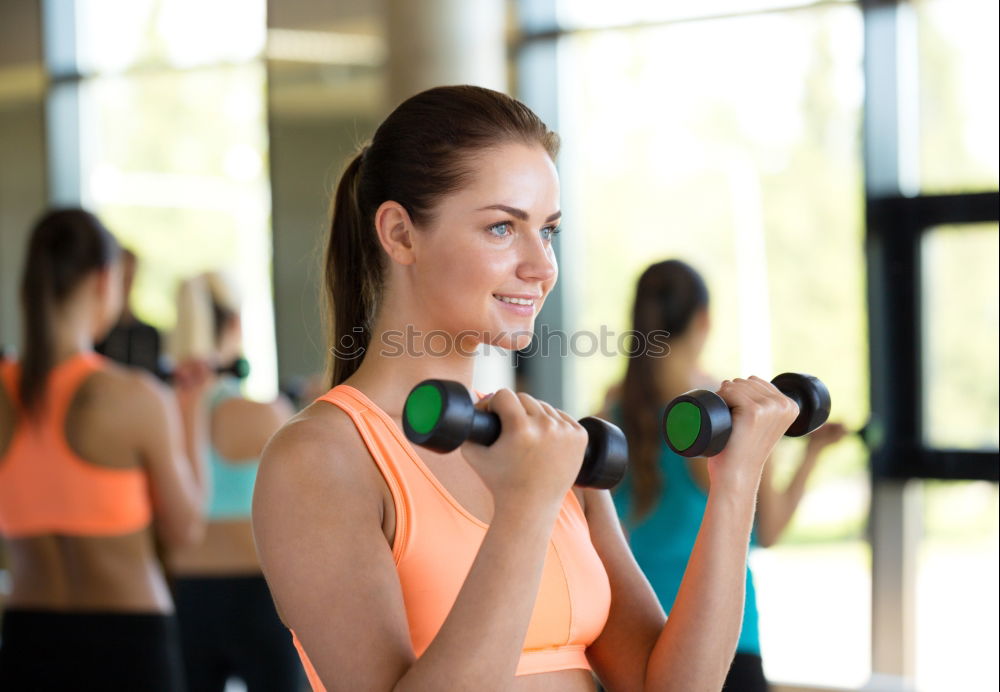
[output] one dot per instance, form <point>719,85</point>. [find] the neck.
<point>400,355</point>
<point>72,332</point>
<point>678,372</point>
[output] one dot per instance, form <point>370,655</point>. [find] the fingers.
<point>736,394</point>
<point>192,372</point>
<point>531,405</point>
<point>757,395</point>
<point>559,415</point>
<point>513,405</point>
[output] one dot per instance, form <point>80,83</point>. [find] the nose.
<point>537,261</point>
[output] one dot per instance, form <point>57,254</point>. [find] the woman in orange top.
<point>398,568</point>
<point>91,465</point>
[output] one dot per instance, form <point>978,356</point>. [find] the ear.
<point>706,319</point>
<point>395,231</point>
<point>103,280</point>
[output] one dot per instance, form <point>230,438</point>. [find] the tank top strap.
<point>9,377</point>
<point>388,448</point>
<point>65,380</point>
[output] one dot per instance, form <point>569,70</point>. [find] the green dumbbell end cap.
<point>241,368</point>
<point>423,408</point>
<point>683,425</point>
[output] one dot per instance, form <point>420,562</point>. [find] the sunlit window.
<point>959,95</point>
<point>113,36</point>
<point>956,619</point>
<point>174,151</point>
<point>961,323</point>
<point>734,144</point>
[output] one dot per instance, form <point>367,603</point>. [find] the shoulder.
<point>131,389</point>
<point>317,448</point>
<point>272,413</point>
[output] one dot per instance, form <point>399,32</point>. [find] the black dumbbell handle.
<point>485,427</point>
<point>239,368</point>
<point>601,443</point>
<point>604,460</point>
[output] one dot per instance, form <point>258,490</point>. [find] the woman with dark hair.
<point>228,624</point>
<point>398,568</point>
<point>91,465</point>
<point>664,495</point>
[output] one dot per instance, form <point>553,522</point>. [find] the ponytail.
<point>65,246</point>
<point>353,277</point>
<point>668,296</point>
<point>37,306</point>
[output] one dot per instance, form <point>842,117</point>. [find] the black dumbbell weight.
<point>239,369</point>
<point>698,423</point>
<point>440,415</point>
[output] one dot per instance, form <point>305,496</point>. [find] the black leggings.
<point>229,628</point>
<point>746,674</point>
<point>111,652</point>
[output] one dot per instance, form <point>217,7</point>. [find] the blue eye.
<point>504,229</point>
<point>550,232</point>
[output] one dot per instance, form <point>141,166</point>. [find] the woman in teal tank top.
<point>229,627</point>
<point>662,499</point>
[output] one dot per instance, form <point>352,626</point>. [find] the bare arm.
<point>318,525</point>
<point>693,650</point>
<point>240,428</point>
<point>775,508</point>
<point>176,494</point>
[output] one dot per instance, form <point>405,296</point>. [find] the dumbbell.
<point>440,415</point>
<point>239,369</point>
<point>698,423</point>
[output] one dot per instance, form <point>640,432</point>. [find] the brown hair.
<point>419,154</point>
<point>667,297</point>
<point>66,245</point>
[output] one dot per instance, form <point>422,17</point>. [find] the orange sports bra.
<point>45,487</point>
<point>437,540</point>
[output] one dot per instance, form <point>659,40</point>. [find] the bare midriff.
<point>87,573</point>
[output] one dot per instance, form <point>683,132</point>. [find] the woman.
<point>399,568</point>
<point>664,495</point>
<point>92,471</point>
<point>228,623</point>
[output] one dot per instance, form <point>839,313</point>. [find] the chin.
<point>513,338</point>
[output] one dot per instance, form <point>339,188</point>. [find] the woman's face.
<point>484,263</point>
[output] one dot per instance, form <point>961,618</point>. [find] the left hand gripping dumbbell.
<point>440,415</point>
<point>698,423</point>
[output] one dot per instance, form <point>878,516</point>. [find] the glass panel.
<point>175,164</point>
<point>957,607</point>
<point>959,95</point>
<point>113,36</point>
<point>961,324</point>
<point>575,14</point>
<point>750,170</point>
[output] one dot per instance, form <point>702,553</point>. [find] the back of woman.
<point>90,455</point>
<point>229,627</point>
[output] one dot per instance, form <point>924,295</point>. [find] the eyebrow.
<point>518,213</point>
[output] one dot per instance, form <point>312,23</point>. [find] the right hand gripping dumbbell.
<point>698,423</point>
<point>440,415</point>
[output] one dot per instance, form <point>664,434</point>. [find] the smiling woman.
<point>483,567</point>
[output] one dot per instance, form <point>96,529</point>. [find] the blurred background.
<point>831,167</point>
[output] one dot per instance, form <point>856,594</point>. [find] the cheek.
<point>466,274</point>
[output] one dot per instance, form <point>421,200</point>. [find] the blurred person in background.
<point>131,341</point>
<point>229,627</point>
<point>662,499</point>
<point>92,462</point>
